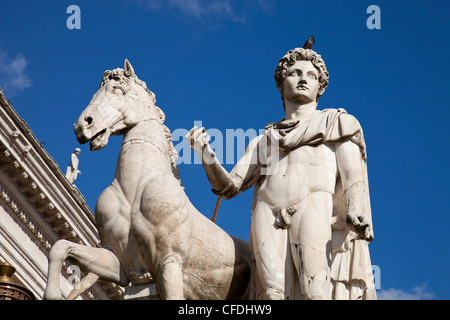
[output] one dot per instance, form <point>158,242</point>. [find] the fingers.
<point>190,134</point>
<point>366,229</point>
<point>368,234</point>
<point>201,136</point>
<point>359,225</point>
<point>352,219</point>
<point>198,139</point>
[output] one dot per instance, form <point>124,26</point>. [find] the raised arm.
<point>350,168</point>
<point>227,184</point>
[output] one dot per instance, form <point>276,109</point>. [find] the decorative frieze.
<point>25,218</point>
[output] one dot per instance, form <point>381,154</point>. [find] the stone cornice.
<point>41,180</point>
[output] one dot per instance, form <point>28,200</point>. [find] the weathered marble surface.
<point>310,222</point>
<point>311,218</point>
<point>150,231</point>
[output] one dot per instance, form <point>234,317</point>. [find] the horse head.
<point>121,102</point>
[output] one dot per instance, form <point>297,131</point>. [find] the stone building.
<point>39,206</point>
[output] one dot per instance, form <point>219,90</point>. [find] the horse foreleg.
<point>57,255</point>
<point>97,261</point>
<point>170,281</point>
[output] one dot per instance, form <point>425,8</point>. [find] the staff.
<point>216,209</point>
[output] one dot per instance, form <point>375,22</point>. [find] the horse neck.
<point>144,150</point>
<point>149,130</point>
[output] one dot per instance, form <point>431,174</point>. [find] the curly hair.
<point>301,54</point>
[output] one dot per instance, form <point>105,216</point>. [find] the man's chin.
<point>303,99</point>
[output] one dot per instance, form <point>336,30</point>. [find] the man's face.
<point>301,84</point>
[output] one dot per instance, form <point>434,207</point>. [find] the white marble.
<point>149,229</point>
<point>311,218</point>
<point>141,292</point>
<point>72,171</point>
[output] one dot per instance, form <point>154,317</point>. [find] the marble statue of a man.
<point>311,220</point>
<point>72,169</point>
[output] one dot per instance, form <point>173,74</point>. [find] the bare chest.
<point>298,173</point>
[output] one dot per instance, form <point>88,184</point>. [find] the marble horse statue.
<point>149,230</point>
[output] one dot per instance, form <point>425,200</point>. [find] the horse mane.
<point>120,75</point>
<point>173,154</point>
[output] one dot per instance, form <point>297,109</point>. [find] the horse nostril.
<point>89,120</point>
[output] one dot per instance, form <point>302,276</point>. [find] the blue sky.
<point>213,61</point>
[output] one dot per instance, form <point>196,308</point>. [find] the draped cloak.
<point>351,271</point>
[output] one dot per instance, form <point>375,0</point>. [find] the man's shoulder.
<point>340,112</point>
<point>345,119</point>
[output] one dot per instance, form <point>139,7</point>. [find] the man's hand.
<point>358,224</point>
<point>198,139</point>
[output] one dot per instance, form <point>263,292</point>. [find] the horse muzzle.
<point>91,127</point>
<point>98,138</point>
<point>81,134</point>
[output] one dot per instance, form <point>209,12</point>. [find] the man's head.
<point>300,54</point>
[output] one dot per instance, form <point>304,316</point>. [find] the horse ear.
<point>129,71</point>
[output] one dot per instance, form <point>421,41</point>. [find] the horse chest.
<point>112,214</point>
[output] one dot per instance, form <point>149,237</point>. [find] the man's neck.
<point>299,111</point>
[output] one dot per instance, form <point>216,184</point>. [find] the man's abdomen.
<point>302,171</point>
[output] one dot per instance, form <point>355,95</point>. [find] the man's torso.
<point>300,172</point>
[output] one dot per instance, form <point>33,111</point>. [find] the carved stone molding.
<point>31,226</point>
<point>35,195</point>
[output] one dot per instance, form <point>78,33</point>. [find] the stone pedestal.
<point>141,292</point>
